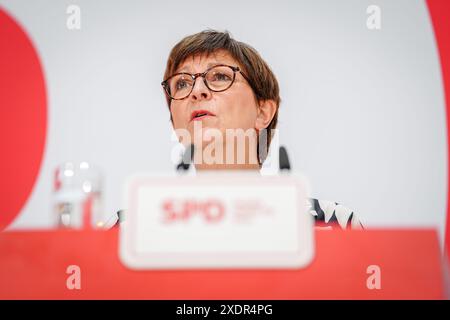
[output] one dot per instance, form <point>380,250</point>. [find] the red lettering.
<point>212,210</point>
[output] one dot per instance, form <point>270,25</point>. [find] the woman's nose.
<point>200,90</point>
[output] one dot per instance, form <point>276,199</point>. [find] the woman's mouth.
<point>199,115</point>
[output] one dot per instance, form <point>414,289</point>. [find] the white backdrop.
<point>362,114</point>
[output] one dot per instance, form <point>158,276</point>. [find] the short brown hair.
<point>260,76</point>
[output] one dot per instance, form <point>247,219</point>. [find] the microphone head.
<point>187,159</point>
<point>283,159</point>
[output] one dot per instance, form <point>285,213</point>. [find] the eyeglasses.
<point>217,78</point>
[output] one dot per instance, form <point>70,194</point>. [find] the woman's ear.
<point>266,112</point>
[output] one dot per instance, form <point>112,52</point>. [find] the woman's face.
<point>233,108</point>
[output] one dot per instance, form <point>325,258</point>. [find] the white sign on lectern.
<point>216,221</point>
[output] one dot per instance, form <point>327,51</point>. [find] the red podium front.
<point>33,265</point>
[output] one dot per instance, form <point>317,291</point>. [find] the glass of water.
<point>77,196</point>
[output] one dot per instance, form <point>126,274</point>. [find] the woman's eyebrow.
<point>212,64</point>
<point>209,65</point>
<point>180,70</point>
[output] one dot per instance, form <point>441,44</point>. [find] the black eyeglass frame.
<point>165,83</point>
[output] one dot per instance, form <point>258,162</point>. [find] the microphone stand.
<point>284,163</point>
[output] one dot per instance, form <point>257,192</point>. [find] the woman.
<point>218,90</point>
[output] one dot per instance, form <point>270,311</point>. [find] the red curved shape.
<point>23,118</point>
<point>439,12</point>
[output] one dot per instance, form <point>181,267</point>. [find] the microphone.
<point>284,159</point>
<point>187,159</point>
